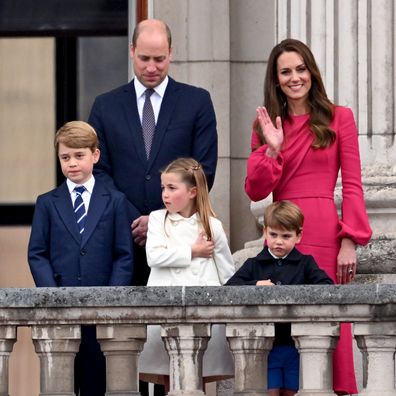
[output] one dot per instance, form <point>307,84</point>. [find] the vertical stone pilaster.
<point>56,347</point>
<point>250,345</point>
<point>316,343</point>
<point>121,345</point>
<point>7,341</point>
<point>381,66</point>
<point>201,54</point>
<point>186,344</point>
<point>377,341</point>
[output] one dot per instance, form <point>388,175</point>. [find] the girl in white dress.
<point>186,246</point>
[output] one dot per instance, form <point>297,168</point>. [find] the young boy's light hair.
<point>76,134</point>
<point>284,215</point>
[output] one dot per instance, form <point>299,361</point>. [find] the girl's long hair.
<point>192,174</point>
<point>321,108</point>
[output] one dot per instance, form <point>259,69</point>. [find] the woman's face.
<point>294,77</point>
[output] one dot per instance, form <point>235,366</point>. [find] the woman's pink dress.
<point>308,177</point>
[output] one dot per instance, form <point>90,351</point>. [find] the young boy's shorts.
<point>283,367</point>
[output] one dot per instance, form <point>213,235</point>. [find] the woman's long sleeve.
<point>354,220</point>
<point>263,172</point>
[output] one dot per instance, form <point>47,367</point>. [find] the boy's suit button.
<point>148,177</point>
<point>279,283</point>
<point>83,252</point>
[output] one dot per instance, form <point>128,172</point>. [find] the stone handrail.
<point>186,313</point>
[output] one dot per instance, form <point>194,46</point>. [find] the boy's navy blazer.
<point>59,256</point>
<point>186,127</point>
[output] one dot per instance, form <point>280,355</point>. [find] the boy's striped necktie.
<point>79,208</point>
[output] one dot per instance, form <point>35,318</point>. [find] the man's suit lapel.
<point>97,204</point>
<point>167,107</point>
<point>64,206</point>
<point>134,125</point>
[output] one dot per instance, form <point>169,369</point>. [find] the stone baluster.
<point>7,341</point>
<point>121,345</point>
<point>250,345</point>
<point>186,344</point>
<point>377,342</point>
<point>316,343</point>
<point>56,347</point>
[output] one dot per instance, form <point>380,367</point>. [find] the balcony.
<point>186,314</point>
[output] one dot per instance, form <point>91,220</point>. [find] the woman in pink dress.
<point>300,142</point>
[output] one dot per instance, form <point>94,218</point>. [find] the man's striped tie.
<point>79,208</point>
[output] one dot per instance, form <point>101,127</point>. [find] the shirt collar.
<point>276,257</point>
<point>179,217</point>
<point>293,256</point>
<point>159,89</point>
<point>89,185</point>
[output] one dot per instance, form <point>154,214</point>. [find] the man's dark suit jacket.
<point>186,127</point>
<point>102,256</point>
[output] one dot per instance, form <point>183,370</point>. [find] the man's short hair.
<point>137,29</point>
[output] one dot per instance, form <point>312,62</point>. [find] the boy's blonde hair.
<point>76,134</point>
<point>284,215</point>
<point>192,174</point>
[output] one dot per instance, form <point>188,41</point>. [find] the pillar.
<point>56,347</point>
<point>7,341</point>
<point>377,342</point>
<point>121,345</point>
<point>316,343</point>
<point>186,344</point>
<point>250,345</point>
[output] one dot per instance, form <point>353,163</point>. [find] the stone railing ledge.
<point>103,305</point>
<point>177,296</point>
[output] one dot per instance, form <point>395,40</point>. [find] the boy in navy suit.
<point>81,237</point>
<point>280,263</point>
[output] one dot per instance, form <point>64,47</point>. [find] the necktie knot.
<point>149,92</point>
<point>79,189</point>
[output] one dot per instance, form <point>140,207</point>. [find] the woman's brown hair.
<point>192,174</point>
<point>321,108</point>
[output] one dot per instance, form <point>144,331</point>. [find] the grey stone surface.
<point>178,297</point>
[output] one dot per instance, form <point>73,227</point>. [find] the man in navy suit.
<point>185,126</point>
<point>92,249</point>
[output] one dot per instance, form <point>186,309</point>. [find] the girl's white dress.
<point>168,250</point>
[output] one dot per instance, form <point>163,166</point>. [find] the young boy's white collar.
<point>89,185</point>
<point>276,257</point>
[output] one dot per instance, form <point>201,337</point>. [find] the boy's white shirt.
<point>86,196</point>
<point>276,257</point>
<point>168,250</point>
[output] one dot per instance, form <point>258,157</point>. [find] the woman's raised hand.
<point>273,134</point>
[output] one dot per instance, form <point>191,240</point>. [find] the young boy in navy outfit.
<point>81,239</point>
<point>280,263</point>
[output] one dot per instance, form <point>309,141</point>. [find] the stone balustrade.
<point>186,314</point>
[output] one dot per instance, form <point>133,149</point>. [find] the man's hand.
<point>139,230</point>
